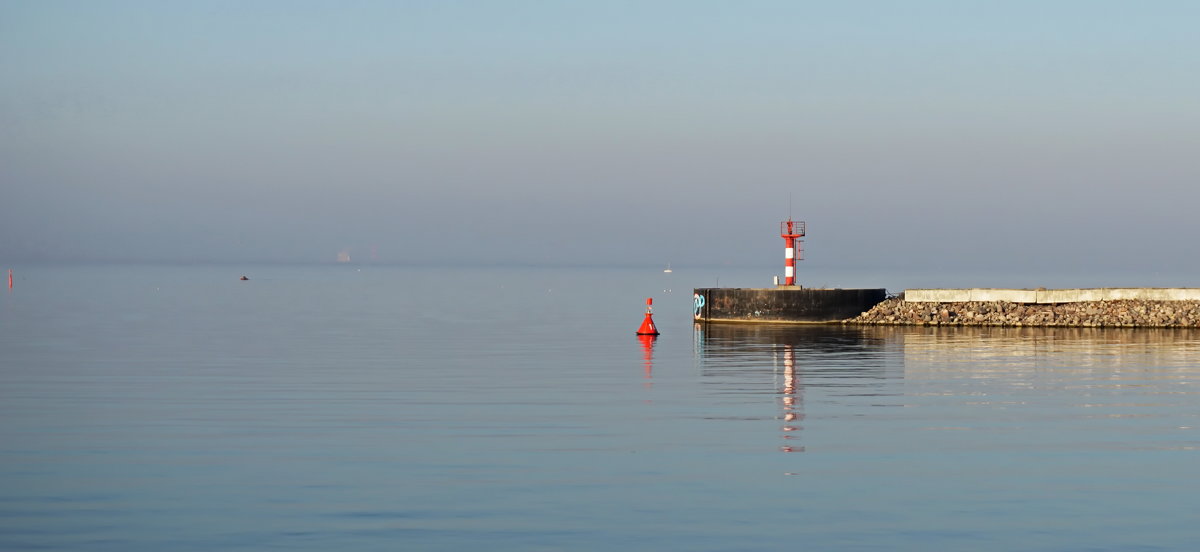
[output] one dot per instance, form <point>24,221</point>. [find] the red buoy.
<point>647,327</point>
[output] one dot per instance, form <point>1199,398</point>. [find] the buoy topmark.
<point>647,327</point>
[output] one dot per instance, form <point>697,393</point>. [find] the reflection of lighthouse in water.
<point>792,403</point>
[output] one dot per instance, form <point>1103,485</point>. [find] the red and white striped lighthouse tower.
<point>791,230</point>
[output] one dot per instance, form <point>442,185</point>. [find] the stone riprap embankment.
<point>1133,313</point>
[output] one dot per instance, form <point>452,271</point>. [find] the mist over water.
<point>375,408</point>
<point>933,135</point>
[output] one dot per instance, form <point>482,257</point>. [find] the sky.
<point>1047,135</point>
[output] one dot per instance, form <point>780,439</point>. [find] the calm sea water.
<point>337,407</point>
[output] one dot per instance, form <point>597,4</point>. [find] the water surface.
<point>376,408</point>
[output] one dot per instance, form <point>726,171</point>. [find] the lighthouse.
<point>791,231</point>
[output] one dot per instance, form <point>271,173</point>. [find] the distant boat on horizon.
<point>668,268</point>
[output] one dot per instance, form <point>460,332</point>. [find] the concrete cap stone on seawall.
<point>1048,296</point>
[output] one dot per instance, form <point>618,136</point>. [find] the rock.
<point>896,311</point>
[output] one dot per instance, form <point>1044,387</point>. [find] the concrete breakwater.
<point>1129,313</point>
<point>784,304</point>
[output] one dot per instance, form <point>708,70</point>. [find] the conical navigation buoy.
<point>647,327</point>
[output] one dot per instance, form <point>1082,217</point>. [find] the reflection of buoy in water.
<point>648,353</point>
<point>647,327</point>
<point>244,278</point>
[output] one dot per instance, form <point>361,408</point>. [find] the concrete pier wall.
<point>1050,296</point>
<point>783,304</point>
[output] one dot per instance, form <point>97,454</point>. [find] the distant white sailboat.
<point>668,268</point>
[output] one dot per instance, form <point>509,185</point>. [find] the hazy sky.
<point>1055,135</point>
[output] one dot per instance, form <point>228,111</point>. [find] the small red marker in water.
<point>10,278</point>
<point>647,327</point>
